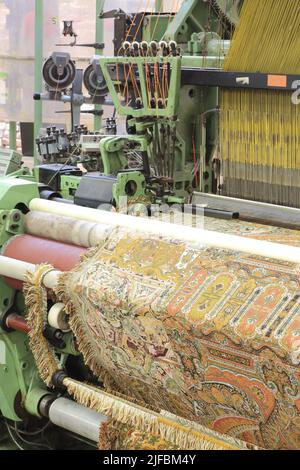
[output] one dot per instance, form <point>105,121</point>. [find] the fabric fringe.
<point>87,347</point>
<point>163,430</point>
<point>36,303</point>
<point>124,412</point>
<point>84,343</point>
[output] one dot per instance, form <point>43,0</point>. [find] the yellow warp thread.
<point>260,130</point>
<point>267,38</point>
<point>265,125</point>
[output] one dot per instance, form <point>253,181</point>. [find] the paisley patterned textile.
<point>210,335</point>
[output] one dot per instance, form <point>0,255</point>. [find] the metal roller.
<point>66,229</point>
<point>59,71</point>
<point>94,81</point>
<point>34,250</point>
<point>17,323</point>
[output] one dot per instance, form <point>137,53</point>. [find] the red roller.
<point>18,323</point>
<point>36,250</point>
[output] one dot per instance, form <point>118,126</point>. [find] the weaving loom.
<point>120,330</point>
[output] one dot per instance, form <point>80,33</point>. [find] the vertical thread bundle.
<point>260,129</point>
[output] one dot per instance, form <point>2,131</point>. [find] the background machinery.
<point>152,153</point>
<point>160,145</point>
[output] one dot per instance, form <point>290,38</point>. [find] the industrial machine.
<point>165,154</point>
<point>162,86</point>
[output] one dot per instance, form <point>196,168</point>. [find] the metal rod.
<point>203,238</point>
<point>17,323</point>
<point>218,214</point>
<point>252,210</point>
<point>38,64</point>
<point>13,135</point>
<point>99,40</point>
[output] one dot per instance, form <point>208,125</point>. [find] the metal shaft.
<point>99,39</point>
<point>38,81</point>
<point>13,135</point>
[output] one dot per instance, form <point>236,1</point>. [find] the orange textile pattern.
<point>210,335</point>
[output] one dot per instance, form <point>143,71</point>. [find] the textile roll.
<point>208,335</point>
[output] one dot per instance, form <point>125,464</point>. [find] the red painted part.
<point>37,250</point>
<point>18,323</point>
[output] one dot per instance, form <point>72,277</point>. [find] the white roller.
<point>66,229</point>
<point>16,269</point>
<point>76,418</point>
<point>180,232</point>
<point>57,317</point>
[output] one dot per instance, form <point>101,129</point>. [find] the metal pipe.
<point>203,238</point>
<point>38,64</point>
<point>218,214</point>
<point>13,135</point>
<point>76,418</point>
<point>99,39</point>
<point>264,212</point>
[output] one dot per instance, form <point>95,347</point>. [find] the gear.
<point>229,10</point>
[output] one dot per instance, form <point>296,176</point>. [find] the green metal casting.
<point>131,186</point>
<point>13,135</point>
<point>140,63</point>
<point>17,193</point>
<point>69,185</point>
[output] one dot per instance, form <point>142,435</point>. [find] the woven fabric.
<point>209,335</point>
<point>130,424</point>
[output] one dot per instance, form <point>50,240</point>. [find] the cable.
<point>65,164</point>
<point>34,433</point>
<point>36,444</point>
<point>12,437</point>
<point>195,163</point>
